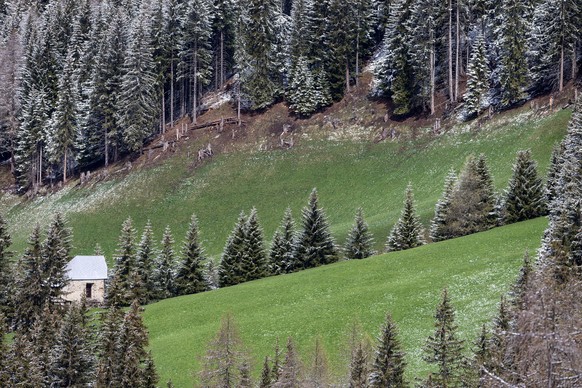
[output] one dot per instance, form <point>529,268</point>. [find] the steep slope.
<point>348,173</point>
<point>324,301</point>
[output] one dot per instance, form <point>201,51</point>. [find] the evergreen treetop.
<point>408,232</point>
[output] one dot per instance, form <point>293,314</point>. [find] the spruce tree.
<point>314,245</point>
<point>388,367</point>
<point>130,347</point>
<point>254,264</point>
<point>478,79</point>
<point>281,252</point>
<point>144,266</point>
<point>190,277</point>
<point>72,360</point>
<point>524,197</point>
<point>511,74</point>
<point>443,348</point>
<point>4,356</point>
<point>63,125</point>
<point>472,207</point>
<point>408,231</point>
<point>196,55</point>
<point>257,53</point>
<point>118,293</point>
<point>30,298</point>
<point>107,347</point>
<point>5,267</point>
<point>394,70</point>
<point>359,243</point>
<point>552,180</point>
<point>439,229</point>
<point>165,272</point>
<point>137,98</point>
<point>56,252</point>
<point>230,271</point>
<point>302,89</point>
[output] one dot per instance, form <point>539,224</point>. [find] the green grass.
<point>347,174</point>
<point>325,301</point>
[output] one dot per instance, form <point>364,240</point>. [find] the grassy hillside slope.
<point>324,301</point>
<point>347,174</point>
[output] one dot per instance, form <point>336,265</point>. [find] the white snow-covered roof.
<point>87,268</point>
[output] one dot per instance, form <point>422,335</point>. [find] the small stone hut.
<point>87,276</point>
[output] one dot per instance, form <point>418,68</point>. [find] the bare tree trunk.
<point>450,51</point>
<point>172,92</point>
<point>65,167</point>
<point>432,73</point>
<point>358,55</point>
<point>574,69</point>
<point>457,54</point>
<point>163,129</point>
<point>195,84</point>
<point>561,68</point>
<point>238,104</point>
<point>40,166</point>
<point>347,76</point>
<point>222,59</point>
<point>106,145</point>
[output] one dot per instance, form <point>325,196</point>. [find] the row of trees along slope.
<point>469,205</point>
<point>84,82</point>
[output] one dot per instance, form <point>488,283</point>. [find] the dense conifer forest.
<point>86,82</point>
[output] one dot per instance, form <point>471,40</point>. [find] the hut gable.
<point>87,276</point>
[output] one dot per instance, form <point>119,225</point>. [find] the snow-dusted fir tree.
<point>105,89</point>
<point>190,277</point>
<point>230,271</point>
<point>281,252</point>
<point>443,348</point>
<point>196,54</point>
<point>439,229</point>
<point>63,126</point>
<point>144,266</point>
<point>394,72</point>
<point>524,197</point>
<point>478,79</point>
<point>29,296</point>
<point>223,36</point>
<point>408,232</point>
<point>564,209</point>
<point>254,264</point>
<point>5,268</point>
<point>118,292</point>
<point>552,180</point>
<point>72,359</point>
<point>131,344</point>
<point>359,243</point>
<point>388,367</point>
<point>302,90</point>
<point>165,273</point>
<point>473,202</point>
<point>511,74</point>
<point>137,99</point>
<point>314,245</point>
<point>553,43</point>
<point>425,26</point>
<point>56,254</point>
<point>257,54</point>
